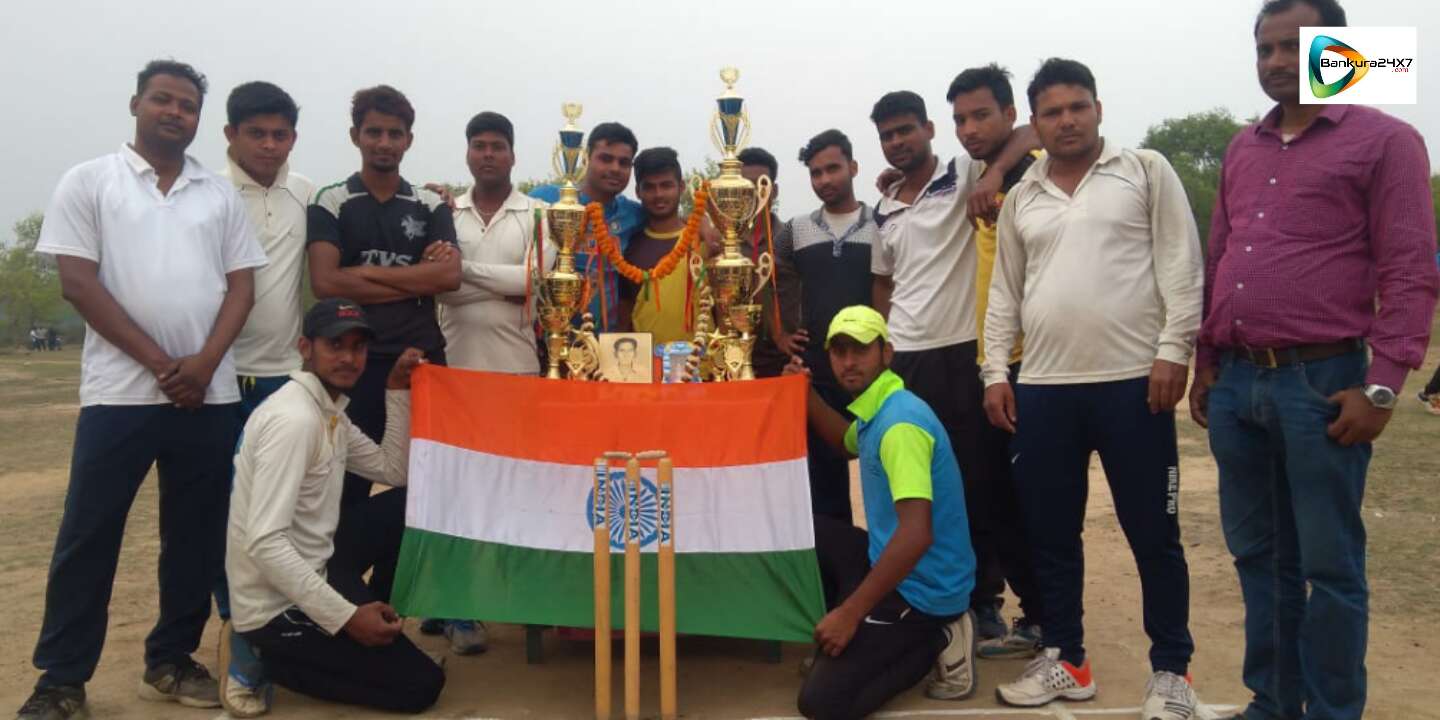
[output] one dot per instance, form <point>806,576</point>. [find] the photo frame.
<point>625,357</point>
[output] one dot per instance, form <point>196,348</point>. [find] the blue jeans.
<point>1290,506</point>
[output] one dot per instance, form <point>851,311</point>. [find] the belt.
<point>1280,357</point>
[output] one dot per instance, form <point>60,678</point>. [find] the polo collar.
<point>869,403</point>
<point>242,178</point>
<point>1332,114</point>
<point>817,218</point>
<point>191,170</point>
<point>312,385</point>
<point>1040,169</point>
<point>516,201</point>
<point>356,186</point>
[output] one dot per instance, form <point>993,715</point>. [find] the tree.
<point>29,284</point>
<point>1195,146</point>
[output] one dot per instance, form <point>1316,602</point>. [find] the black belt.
<point>1280,357</point>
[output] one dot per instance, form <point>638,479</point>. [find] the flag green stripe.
<point>769,595</point>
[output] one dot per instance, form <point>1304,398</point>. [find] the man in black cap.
<point>295,569</point>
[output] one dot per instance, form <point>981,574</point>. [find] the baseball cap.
<point>860,322</point>
<point>334,317</point>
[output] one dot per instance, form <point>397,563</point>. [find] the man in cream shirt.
<point>1098,262</point>
<point>489,322</point>
<point>296,570</point>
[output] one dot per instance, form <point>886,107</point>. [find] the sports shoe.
<point>1022,641</point>
<point>187,683</point>
<point>1432,402</point>
<point>988,622</point>
<point>467,637</point>
<point>432,626</point>
<point>1048,678</point>
<point>243,694</point>
<point>55,703</point>
<point>1169,697</point>
<point>955,675</point>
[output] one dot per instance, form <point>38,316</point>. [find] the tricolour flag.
<point>498,522</point>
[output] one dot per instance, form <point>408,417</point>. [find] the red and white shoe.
<point>1048,678</point>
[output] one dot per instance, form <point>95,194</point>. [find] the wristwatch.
<point>1380,396</point>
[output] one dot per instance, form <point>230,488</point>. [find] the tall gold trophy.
<point>735,280</point>
<point>562,290</point>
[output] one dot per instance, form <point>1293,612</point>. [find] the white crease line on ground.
<point>1056,710</point>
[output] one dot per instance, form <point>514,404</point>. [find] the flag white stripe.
<point>542,505</point>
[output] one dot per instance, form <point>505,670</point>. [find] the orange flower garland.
<point>689,238</point>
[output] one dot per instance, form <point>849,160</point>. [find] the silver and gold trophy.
<point>562,289</point>
<point>734,280</point>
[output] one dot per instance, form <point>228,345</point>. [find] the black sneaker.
<point>989,625</point>
<point>187,683</point>
<point>55,703</point>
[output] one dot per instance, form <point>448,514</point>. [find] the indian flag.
<point>502,470</point>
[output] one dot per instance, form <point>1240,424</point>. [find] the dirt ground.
<point>734,679</point>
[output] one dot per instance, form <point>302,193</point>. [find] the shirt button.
<point>1239,286</point>
<point>1286,146</point>
<point>1247,248</point>
<point>1237,322</point>
<point>1260,214</point>
<point>1272,181</point>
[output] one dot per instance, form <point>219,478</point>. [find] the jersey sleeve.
<point>905,452</point>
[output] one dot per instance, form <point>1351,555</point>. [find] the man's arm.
<point>389,461</point>
<point>278,448</point>
<point>1180,275</point>
<point>329,280</point>
<point>982,201</point>
<point>831,426</point>
<point>905,453</point>
<point>786,323</point>
<point>191,375</point>
<point>1206,355</point>
<point>423,279</point>
<point>880,289</point>
<point>80,286</point>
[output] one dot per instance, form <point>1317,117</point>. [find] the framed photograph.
<point>625,357</point>
<point>672,362</point>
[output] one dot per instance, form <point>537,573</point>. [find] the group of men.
<point>972,339</point>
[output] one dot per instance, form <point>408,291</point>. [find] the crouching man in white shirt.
<point>295,570</point>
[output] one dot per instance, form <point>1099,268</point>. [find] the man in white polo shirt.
<point>924,265</point>
<point>260,129</point>
<point>1098,262</point>
<point>487,323</point>
<point>157,254</point>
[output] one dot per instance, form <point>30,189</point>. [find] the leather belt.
<point>1280,357</point>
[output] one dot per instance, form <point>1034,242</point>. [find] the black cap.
<point>334,317</point>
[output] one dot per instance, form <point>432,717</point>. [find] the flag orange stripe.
<point>700,425</point>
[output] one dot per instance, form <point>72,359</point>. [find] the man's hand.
<point>186,381</point>
<point>984,203</point>
<point>1000,406</point>
<point>793,343</point>
<point>1167,385</point>
<point>796,366</point>
<point>835,631</point>
<point>439,251</point>
<point>400,374</point>
<point>1359,421</point>
<point>374,624</point>
<point>1200,396</point>
<point>443,192</point>
<point>889,176</point>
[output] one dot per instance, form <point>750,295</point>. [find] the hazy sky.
<point>69,69</point>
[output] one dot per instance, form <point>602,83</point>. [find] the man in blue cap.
<point>899,594</point>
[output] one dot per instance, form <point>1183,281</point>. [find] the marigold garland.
<point>610,249</point>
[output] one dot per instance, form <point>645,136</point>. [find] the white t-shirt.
<point>266,346</point>
<point>928,249</point>
<point>839,223</point>
<point>1102,282</point>
<point>164,258</point>
<point>484,329</point>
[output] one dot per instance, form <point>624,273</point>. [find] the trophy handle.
<point>764,188</point>
<point>764,271</point>
<point>744,140</point>
<point>555,163</point>
<point>697,266</point>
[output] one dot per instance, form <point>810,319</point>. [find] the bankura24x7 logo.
<point>1392,60</point>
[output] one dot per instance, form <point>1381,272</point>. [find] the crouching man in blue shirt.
<point>898,593</point>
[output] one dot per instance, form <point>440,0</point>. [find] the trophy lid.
<point>730,102</point>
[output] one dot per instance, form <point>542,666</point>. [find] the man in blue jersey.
<point>899,594</point>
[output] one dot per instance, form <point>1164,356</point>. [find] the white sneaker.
<point>1169,697</point>
<point>1048,678</point>
<point>955,676</point>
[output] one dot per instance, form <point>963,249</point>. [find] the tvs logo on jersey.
<point>1384,58</point>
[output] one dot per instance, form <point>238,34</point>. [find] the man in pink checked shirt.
<point>1319,292</point>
